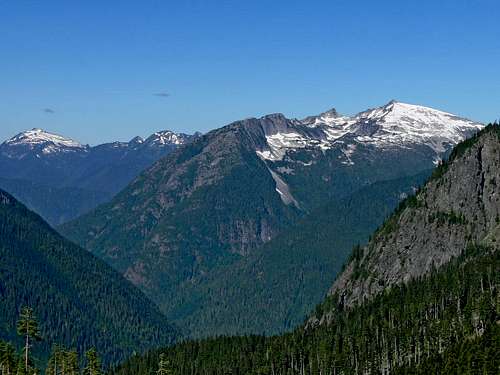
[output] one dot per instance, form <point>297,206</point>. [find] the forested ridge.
<point>401,330</point>
<point>80,301</point>
<point>293,270</point>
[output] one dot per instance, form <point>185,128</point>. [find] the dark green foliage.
<point>478,355</point>
<point>63,362</point>
<point>8,358</point>
<point>93,366</point>
<point>405,326</point>
<point>27,325</point>
<point>27,328</point>
<point>79,300</point>
<point>60,362</point>
<point>211,224</point>
<point>277,286</point>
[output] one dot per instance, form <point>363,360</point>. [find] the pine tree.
<point>71,362</point>
<point>27,326</point>
<point>93,363</point>
<point>7,358</point>
<point>54,364</point>
<point>164,366</point>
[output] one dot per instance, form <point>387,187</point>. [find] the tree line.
<point>62,361</point>
<point>445,322</point>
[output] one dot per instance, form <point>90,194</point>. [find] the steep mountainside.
<point>280,284</point>
<point>80,301</point>
<point>459,206</point>
<point>440,319</point>
<point>206,203</point>
<point>216,201</point>
<point>50,162</point>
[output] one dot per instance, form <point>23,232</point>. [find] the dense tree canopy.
<point>402,329</point>
<point>79,300</point>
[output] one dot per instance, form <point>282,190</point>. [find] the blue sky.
<point>97,65</point>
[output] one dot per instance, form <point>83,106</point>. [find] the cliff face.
<point>458,207</point>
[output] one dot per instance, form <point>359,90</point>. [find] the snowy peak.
<point>39,142</point>
<point>167,137</point>
<point>326,117</point>
<point>395,124</point>
<point>38,136</point>
<point>136,141</point>
<point>399,123</point>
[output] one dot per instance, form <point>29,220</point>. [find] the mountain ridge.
<point>442,319</point>
<point>52,142</point>
<point>81,301</point>
<point>218,200</point>
<point>51,161</point>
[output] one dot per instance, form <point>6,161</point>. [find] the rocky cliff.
<point>458,207</point>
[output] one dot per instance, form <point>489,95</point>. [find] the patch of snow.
<point>437,160</point>
<point>39,136</point>
<point>166,137</point>
<point>393,125</point>
<point>283,190</point>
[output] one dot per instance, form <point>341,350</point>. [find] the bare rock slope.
<point>458,207</point>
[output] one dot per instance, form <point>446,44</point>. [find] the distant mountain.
<point>91,175</point>
<point>421,298</point>
<point>218,203</point>
<point>80,301</point>
<point>58,204</point>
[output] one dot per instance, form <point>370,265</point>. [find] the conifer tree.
<point>27,326</point>
<point>93,363</point>
<point>164,366</point>
<point>7,358</point>
<point>71,363</point>
<point>54,364</point>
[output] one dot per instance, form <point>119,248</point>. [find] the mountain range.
<point>61,179</point>
<point>204,230</point>
<point>421,297</point>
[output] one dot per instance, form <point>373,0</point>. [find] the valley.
<point>214,208</point>
<point>249,187</point>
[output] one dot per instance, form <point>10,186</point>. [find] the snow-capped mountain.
<point>377,144</point>
<point>395,124</point>
<point>36,159</point>
<point>168,137</point>
<point>39,142</point>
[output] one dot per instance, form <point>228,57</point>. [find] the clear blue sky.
<point>97,65</point>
